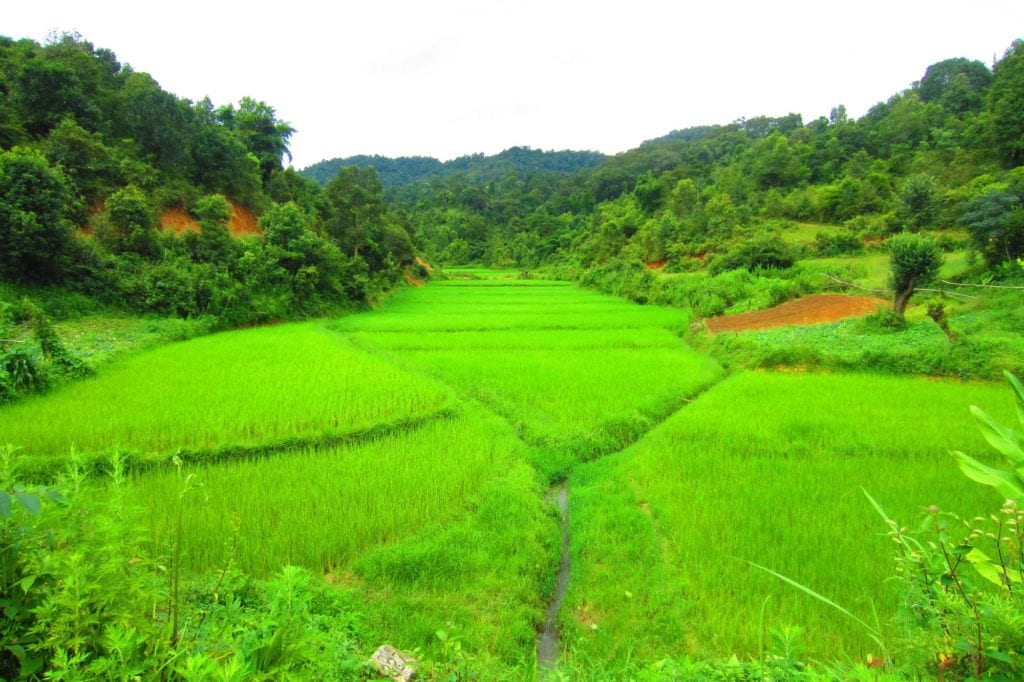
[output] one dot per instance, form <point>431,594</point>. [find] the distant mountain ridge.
<point>406,170</point>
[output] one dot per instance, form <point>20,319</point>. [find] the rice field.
<point>576,373</point>
<point>766,468</point>
<point>252,387</point>
<point>491,305</point>
<point>321,507</point>
<point>468,397</point>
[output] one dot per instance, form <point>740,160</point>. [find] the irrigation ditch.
<point>549,639</point>
<point>548,649</point>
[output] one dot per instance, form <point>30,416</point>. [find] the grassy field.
<point>487,305</point>
<point>98,339</point>
<point>871,270</point>
<point>764,468</point>
<point>247,388</point>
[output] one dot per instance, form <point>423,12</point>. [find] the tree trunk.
<point>937,311</point>
<point>902,298</point>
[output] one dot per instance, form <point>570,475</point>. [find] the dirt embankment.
<point>242,221</point>
<point>802,311</point>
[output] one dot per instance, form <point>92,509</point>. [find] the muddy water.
<point>547,644</point>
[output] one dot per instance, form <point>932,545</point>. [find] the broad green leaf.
<point>1008,485</point>
<point>1007,441</point>
<point>5,505</point>
<point>985,568</point>
<point>30,501</point>
<point>1018,389</point>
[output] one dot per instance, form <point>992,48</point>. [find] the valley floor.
<point>407,454</point>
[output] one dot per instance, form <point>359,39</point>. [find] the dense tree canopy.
<point>110,151</point>
<point>104,148</point>
<point>34,232</point>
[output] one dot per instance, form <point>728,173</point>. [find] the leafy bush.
<point>914,261</point>
<point>759,253</point>
<point>84,598</point>
<point>963,606</point>
<point>838,244</point>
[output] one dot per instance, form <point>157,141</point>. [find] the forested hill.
<point>521,161</point>
<point>946,152</point>
<point>96,159</point>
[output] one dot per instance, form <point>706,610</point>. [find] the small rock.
<point>390,662</point>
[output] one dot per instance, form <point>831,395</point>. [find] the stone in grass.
<point>390,662</point>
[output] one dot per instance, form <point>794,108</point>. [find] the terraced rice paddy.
<point>766,468</point>
<point>406,454</point>
<point>286,383</point>
<point>577,374</point>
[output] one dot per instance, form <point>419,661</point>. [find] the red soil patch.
<point>655,264</point>
<point>802,311</point>
<point>242,221</point>
<point>177,220</point>
<point>424,264</point>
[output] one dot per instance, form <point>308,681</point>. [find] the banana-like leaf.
<point>1008,485</point>
<point>1018,389</point>
<point>1005,440</point>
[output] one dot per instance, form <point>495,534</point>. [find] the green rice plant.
<point>452,306</point>
<point>635,338</point>
<point>577,373</point>
<point>764,468</point>
<point>321,507</point>
<point>481,580</point>
<point>585,402</point>
<point>245,388</point>
<point>483,273</point>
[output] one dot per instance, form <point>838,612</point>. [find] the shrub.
<point>914,261</point>
<point>761,252</point>
<point>34,231</point>
<point>962,581</point>
<point>838,244</point>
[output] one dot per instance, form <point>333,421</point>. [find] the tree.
<point>918,202</point>
<point>47,91</point>
<point>995,220</point>
<point>157,120</point>
<point>87,163</point>
<point>34,232</point>
<point>221,163</point>
<point>1006,104</point>
<point>258,128</point>
<point>129,223</point>
<point>774,163</point>
<point>214,244</point>
<point>357,210</point>
<point>957,84</point>
<point>913,261</point>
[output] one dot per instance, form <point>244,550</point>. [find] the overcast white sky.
<point>445,78</point>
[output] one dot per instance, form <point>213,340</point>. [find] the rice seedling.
<point>320,507</point>
<point>765,468</point>
<point>243,388</point>
<point>496,305</point>
<point>577,373</point>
